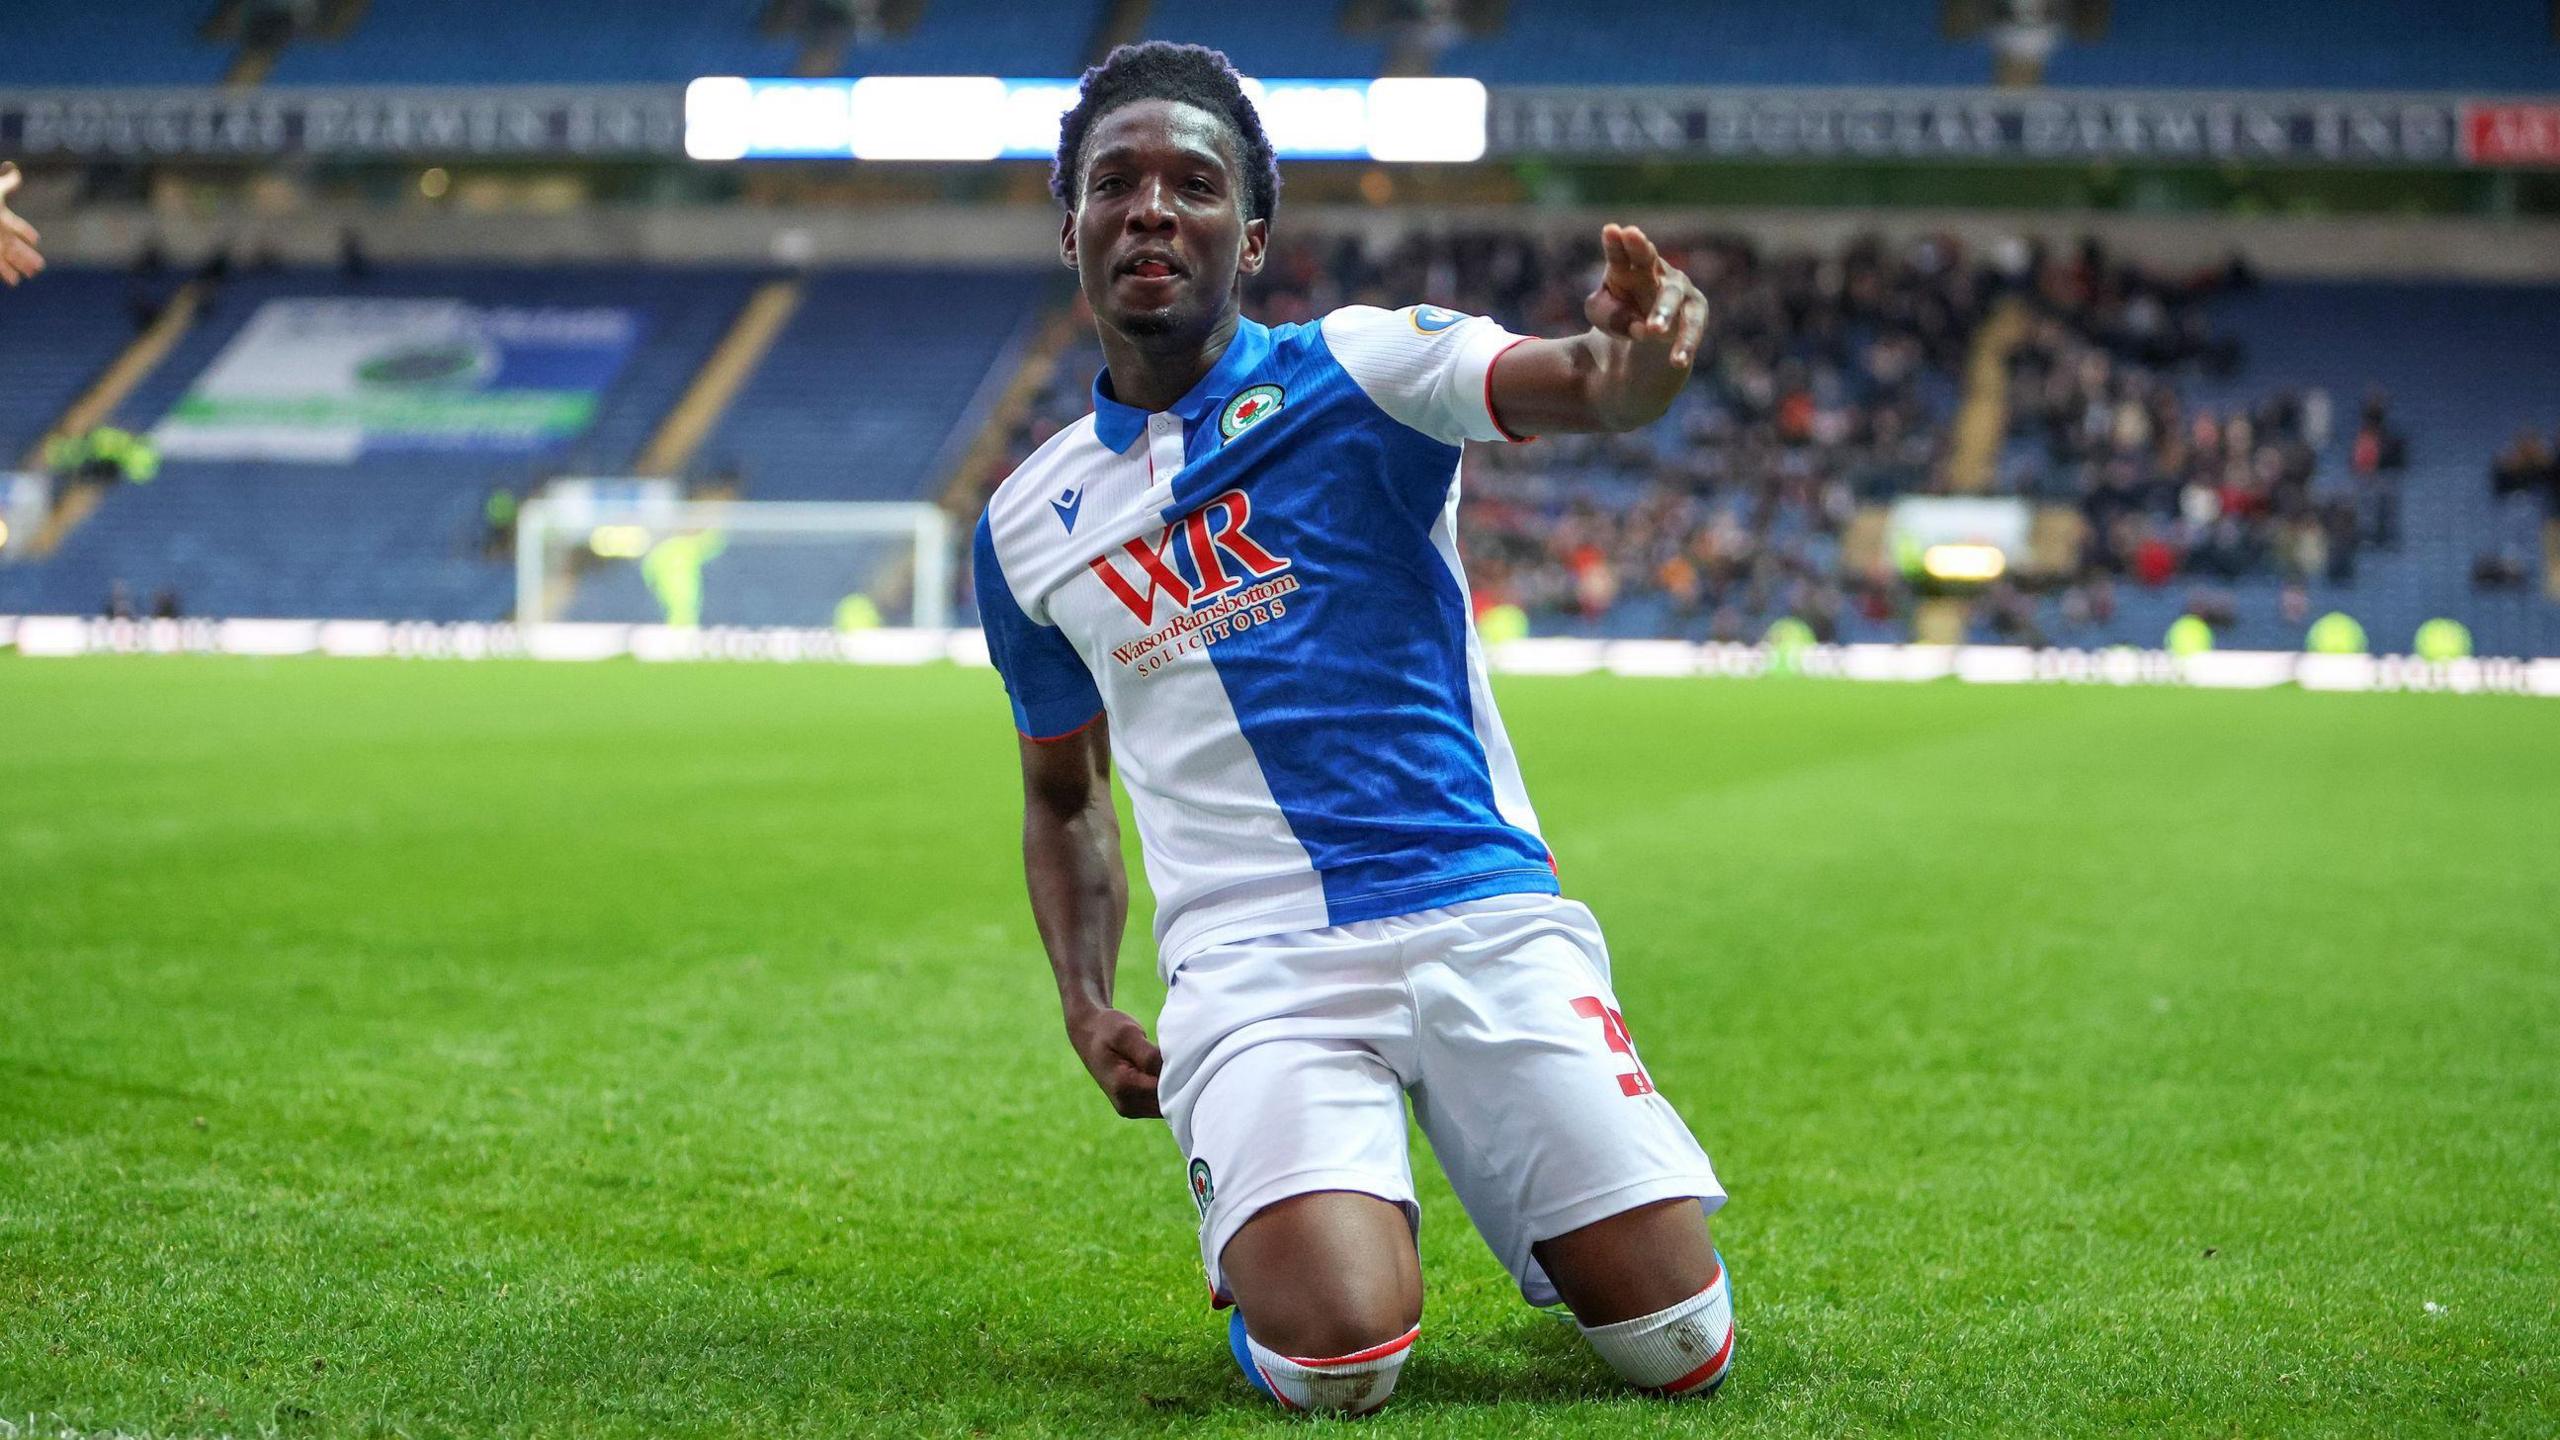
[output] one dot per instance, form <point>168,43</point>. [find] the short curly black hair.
<point>1163,70</point>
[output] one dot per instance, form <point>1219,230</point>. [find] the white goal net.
<point>634,553</point>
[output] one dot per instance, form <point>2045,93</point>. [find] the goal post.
<point>635,553</point>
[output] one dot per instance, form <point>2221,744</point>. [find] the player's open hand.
<point>19,259</point>
<point>1642,299</point>
<point>1124,1062</point>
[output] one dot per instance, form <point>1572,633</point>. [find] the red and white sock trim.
<point>1352,1384</point>
<point>1680,1351</point>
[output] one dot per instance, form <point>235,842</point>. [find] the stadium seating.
<point>985,37</point>
<point>489,42</point>
<point>862,390</point>
<point>1720,42</point>
<point>2465,367</point>
<point>858,399</point>
<point>500,42</point>
<point>1280,42</point>
<point>395,536</point>
<point>61,333</point>
<point>133,42</point>
<point>2319,45</point>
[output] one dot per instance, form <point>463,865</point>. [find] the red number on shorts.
<point>1613,1028</point>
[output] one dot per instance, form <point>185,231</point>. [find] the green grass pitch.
<point>438,1049</point>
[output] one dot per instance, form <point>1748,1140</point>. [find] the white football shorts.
<point>1287,1060</point>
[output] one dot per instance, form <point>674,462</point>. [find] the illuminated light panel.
<point>619,542</point>
<point>981,117</point>
<point>1436,118</point>
<point>929,117</point>
<point>1964,562</point>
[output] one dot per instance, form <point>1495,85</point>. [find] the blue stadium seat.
<point>2465,366</point>
<point>860,393</point>
<point>2319,45</point>
<point>62,331</point>
<point>132,42</point>
<point>1279,42</point>
<point>1719,42</point>
<point>986,37</point>
<point>386,537</point>
<point>502,42</point>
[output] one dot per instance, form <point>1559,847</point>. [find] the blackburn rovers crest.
<point>1249,408</point>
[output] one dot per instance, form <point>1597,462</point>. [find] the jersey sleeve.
<point>1053,694</point>
<point>1429,368</point>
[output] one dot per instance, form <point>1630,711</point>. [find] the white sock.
<point>1684,1350</point>
<point>1353,1384</point>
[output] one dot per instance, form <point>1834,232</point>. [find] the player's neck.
<point>1150,372</point>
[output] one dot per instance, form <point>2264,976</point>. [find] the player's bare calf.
<point>1650,1294</point>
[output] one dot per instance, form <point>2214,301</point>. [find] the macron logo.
<point>1067,504</point>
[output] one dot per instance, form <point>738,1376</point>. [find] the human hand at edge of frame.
<point>1644,300</point>
<point>19,258</point>
<point>1122,1060</point>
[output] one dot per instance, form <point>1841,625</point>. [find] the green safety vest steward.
<point>673,570</point>
<point>2335,633</point>
<point>2443,639</point>
<point>1502,624</point>
<point>1787,638</point>
<point>134,456</point>
<point>856,612</point>
<point>2189,635</point>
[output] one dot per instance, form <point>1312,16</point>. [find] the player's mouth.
<point>1152,267</point>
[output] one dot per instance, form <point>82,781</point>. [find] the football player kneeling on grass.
<point>1238,581</point>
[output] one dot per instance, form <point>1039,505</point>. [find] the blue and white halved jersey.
<point>1261,587</point>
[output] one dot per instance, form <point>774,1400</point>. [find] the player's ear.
<point>1257,234</point>
<point>1067,240</point>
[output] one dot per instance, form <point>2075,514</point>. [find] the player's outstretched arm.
<point>1080,900</point>
<point>19,258</point>
<point>1647,321</point>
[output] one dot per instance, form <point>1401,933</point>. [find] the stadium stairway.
<point>877,388</point>
<point>865,392</point>
<point>60,337</point>
<point>716,384</point>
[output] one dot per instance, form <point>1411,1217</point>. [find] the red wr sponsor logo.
<point>1215,535</point>
<point>1238,584</point>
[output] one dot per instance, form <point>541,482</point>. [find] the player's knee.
<point>1686,1349</point>
<point>1340,1324</point>
<point>1333,1377</point>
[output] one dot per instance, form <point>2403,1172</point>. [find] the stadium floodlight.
<point>1427,118</point>
<point>929,117</point>
<point>982,117</point>
<point>631,553</point>
<point>1975,563</point>
<point>1960,540</point>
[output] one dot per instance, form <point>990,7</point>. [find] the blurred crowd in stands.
<point>2526,481</point>
<point>1832,382</point>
